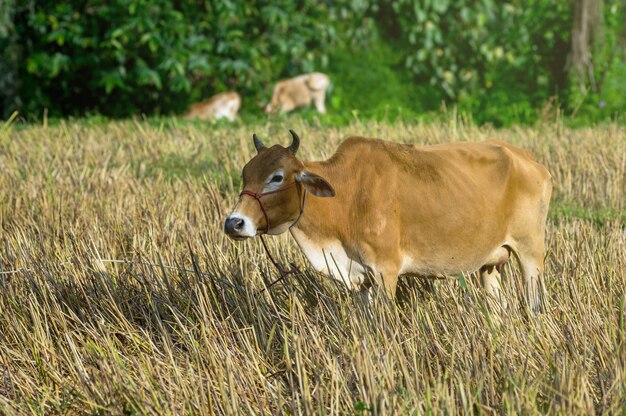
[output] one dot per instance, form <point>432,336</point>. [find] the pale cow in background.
<point>223,105</point>
<point>299,92</point>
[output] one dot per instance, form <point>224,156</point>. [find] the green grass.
<point>119,293</point>
<point>560,211</point>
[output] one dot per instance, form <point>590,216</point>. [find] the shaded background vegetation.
<point>500,62</point>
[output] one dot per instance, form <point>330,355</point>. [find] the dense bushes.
<point>122,57</point>
<point>503,61</point>
<point>499,61</point>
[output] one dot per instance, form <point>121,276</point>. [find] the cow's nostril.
<point>234,225</point>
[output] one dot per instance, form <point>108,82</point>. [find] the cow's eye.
<point>277,179</point>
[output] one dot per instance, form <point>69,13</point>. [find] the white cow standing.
<point>299,92</point>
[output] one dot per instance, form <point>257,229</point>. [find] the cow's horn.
<point>295,142</point>
<point>257,143</point>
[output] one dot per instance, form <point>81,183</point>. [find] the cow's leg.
<point>365,294</point>
<point>529,245</point>
<point>318,99</point>
<point>531,263</point>
<point>231,111</point>
<point>387,278</point>
<point>529,253</point>
<point>287,106</point>
<point>491,278</point>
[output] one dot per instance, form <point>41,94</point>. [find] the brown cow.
<point>381,209</point>
<point>223,105</point>
<point>299,92</point>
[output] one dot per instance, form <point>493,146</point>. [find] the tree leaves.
<point>110,53</point>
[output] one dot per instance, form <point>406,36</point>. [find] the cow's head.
<point>274,187</point>
<point>270,107</point>
<point>273,105</point>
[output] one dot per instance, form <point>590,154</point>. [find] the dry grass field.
<point>119,293</point>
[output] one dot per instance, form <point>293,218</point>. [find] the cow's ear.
<point>315,184</point>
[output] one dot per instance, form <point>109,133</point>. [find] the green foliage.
<point>498,62</point>
<point>127,56</point>
<point>368,82</point>
<point>8,59</point>
<point>603,98</point>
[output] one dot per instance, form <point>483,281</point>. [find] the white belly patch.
<point>331,259</point>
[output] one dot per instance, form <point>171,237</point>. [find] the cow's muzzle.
<point>236,228</point>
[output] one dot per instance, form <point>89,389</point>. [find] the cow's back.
<point>488,164</point>
<point>298,90</point>
<point>292,90</point>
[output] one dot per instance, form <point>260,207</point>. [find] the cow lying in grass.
<point>223,105</point>
<point>378,210</point>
